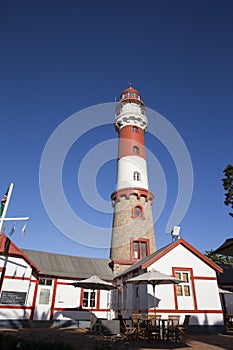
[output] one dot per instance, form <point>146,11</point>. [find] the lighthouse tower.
<point>133,230</point>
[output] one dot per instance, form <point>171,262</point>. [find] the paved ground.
<point>81,339</point>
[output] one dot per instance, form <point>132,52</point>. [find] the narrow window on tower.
<point>135,129</point>
<point>143,249</point>
<point>136,251</point>
<point>139,249</point>
<point>135,150</point>
<point>136,176</point>
<point>137,212</point>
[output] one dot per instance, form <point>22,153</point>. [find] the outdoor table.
<point>145,327</point>
<point>148,326</point>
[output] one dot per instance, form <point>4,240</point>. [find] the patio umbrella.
<point>226,248</point>
<point>154,278</point>
<point>94,283</point>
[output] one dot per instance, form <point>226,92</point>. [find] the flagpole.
<point>6,205</point>
<point>3,217</point>
<point>7,241</point>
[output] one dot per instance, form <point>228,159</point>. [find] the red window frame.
<point>142,242</point>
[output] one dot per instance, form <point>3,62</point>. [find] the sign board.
<point>13,298</point>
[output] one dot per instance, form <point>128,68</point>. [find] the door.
<point>44,299</point>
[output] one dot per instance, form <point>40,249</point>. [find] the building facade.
<point>39,286</point>
<point>197,295</point>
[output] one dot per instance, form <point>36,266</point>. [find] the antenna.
<point>175,233</point>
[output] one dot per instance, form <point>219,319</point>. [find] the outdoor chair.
<point>228,319</point>
<point>136,318</point>
<point>154,327</point>
<point>128,332</point>
<point>171,329</point>
<point>137,322</point>
<point>183,329</point>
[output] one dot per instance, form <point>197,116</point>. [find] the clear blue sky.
<point>59,57</point>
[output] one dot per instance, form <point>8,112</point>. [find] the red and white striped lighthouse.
<point>133,230</point>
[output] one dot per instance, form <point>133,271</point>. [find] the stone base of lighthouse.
<point>133,228</point>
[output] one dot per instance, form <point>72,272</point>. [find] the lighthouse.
<point>133,235</point>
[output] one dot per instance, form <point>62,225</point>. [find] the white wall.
<point>18,277</point>
<point>208,309</point>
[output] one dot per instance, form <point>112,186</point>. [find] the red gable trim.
<point>189,247</point>
<point>13,250</point>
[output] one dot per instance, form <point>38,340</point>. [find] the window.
<point>135,129</point>
<point>137,212</point>
<point>184,288</point>
<point>131,94</point>
<point>46,281</point>
<point>136,251</point>
<point>140,249</point>
<point>143,249</point>
<point>135,150</point>
<point>44,296</point>
<point>88,299</point>
<point>136,176</point>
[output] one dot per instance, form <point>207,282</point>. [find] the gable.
<point>187,250</point>
<point>7,247</point>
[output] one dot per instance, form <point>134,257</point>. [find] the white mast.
<point>3,217</point>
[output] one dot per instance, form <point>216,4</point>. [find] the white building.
<point>38,286</point>
<point>198,296</point>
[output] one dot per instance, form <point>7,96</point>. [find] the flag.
<point>3,202</point>
<point>12,230</point>
<point>24,229</point>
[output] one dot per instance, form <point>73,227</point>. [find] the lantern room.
<point>131,95</point>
